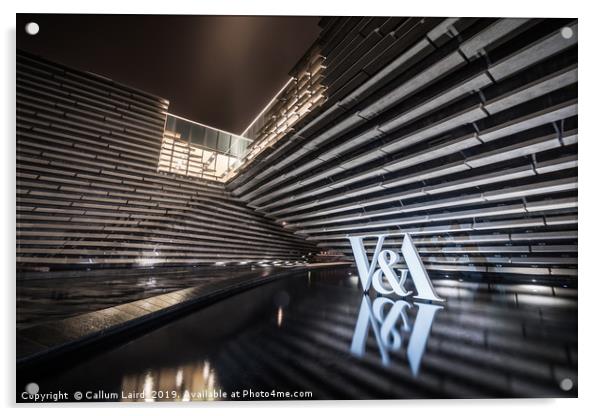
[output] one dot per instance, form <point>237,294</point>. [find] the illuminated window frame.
<point>182,156</point>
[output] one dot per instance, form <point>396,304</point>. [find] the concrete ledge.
<point>49,340</point>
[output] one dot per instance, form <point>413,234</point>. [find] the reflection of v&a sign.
<point>371,276</point>
<point>382,316</point>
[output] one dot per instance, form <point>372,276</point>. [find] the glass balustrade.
<point>196,150</point>
<point>193,149</point>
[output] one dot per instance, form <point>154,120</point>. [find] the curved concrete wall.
<point>88,191</point>
<point>460,131</point>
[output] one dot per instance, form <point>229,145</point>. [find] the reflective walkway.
<point>46,299</point>
<point>317,336</point>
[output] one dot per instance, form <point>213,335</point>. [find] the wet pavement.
<point>43,299</point>
<point>316,335</point>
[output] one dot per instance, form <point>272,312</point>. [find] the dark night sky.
<point>218,70</point>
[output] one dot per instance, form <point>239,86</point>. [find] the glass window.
<point>223,144</point>
<point>211,139</point>
<point>195,150</point>
<point>197,134</point>
<point>170,123</point>
<point>183,128</point>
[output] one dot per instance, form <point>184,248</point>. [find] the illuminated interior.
<point>193,149</point>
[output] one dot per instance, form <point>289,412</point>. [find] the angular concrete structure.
<point>458,132</point>
<point>89,193</point>
<point>461,132</point>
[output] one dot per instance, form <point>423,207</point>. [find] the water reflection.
<point>193,382</point>
<point>382,315</point>
<point>318,332</point>
<point>280,316</point>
